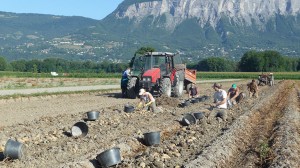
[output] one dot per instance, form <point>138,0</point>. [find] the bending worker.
<point>193,91</point>
<point>233,93</point>
<point>147,101</point>
<point>252,88</point>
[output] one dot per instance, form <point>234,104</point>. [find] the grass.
<point>246,75</point>
<point>200,75</point>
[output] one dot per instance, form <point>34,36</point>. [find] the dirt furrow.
<point>286,137</point>
<point>248,138</point>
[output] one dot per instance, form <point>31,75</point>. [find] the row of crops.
<point>200,75</point>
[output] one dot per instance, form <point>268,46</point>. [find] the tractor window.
<point>138,64</point>
<point>177,60</point>
<point>157,62</point>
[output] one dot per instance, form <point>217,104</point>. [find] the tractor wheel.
<point>166,87</point>
<point>178,87</point>
<point>131,89</point>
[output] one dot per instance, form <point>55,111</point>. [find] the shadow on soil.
<point>96,164</point>
<point>115,95</point>
<point>68,134</point>
<point>1,156</point>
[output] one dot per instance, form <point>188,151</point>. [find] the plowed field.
<point>258,132</point>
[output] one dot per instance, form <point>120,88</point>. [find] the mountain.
<point>194,28</point>
<point>28,36</point>
<point>200,28</point>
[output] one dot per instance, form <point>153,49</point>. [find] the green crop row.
<point>246,75</point>
<point>200,75</point>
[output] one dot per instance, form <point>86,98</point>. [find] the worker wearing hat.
<point>147,101</point>
<point>220,96</point>
<point>234,94</point>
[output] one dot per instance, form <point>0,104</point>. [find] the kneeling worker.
<point>234,94</point>
<point>147,101</point>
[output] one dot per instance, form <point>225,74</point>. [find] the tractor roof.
<point>160,54</point>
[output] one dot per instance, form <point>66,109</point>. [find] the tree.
<point>141,51</point>
<point>3,64</point>
<point>252,61</point>
<point>216,64</point>
<point>266,61</point>
<point>19,65</point>
<point>144,50</point>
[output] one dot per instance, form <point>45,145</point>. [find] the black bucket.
<point>80,129</point>
<point>188,119</point>
<point>128,108</point>
<point>93,115</point>
<point>194,100</point>
<point>13,149</point>
<point>198,115</point>
<point>109,157</point>
<point>202,99</point>
<point>152,138</point>
<point>206,97</point>
<point>185,103</point>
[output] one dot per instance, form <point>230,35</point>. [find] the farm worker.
<point>234,94</point>
<point>252,88</point>
<point>220,97</point>
<point>193,91</point>
<point>147,101</point>
<point>220,103</point>
<point>124,81</point>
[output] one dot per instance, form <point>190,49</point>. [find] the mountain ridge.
<point>166,25</point>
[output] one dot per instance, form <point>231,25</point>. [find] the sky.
<point>95,9</point>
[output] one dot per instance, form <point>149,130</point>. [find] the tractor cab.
<point>157,66</point>
<point>158,72</point>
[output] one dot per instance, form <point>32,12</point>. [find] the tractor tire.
<point>166,88</point>
<point>178,86</point>
<point>131,88</point>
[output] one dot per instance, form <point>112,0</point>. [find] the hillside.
<point>196,29</point>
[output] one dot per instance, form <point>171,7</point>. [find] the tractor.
<point>161,73</point>
<point>266,79</point>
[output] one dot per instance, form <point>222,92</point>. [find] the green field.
<point>200,75</point>
<point>246,75</point>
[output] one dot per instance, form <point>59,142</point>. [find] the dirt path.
<point>44,123</point>
<point>57,89</point>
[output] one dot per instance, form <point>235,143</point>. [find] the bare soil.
<point>261,132</point>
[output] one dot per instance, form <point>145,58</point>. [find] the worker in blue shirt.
<point>124,81</point>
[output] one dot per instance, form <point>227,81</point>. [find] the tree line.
<point>61,65</point>
<point>251,61</point>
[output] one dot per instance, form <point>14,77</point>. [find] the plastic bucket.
<point>201,99</point>
<point>13,149</point>
<point>188,119</point>
<point>185,103</point>
<point>93,115</point>
<point>128,108</point>
<point>152,138</point>
<point>109,157</point>
<point>80,129</point>
<point>198,115</point>
<point>194,100</point>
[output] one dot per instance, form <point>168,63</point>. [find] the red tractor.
<point>161,73</point>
